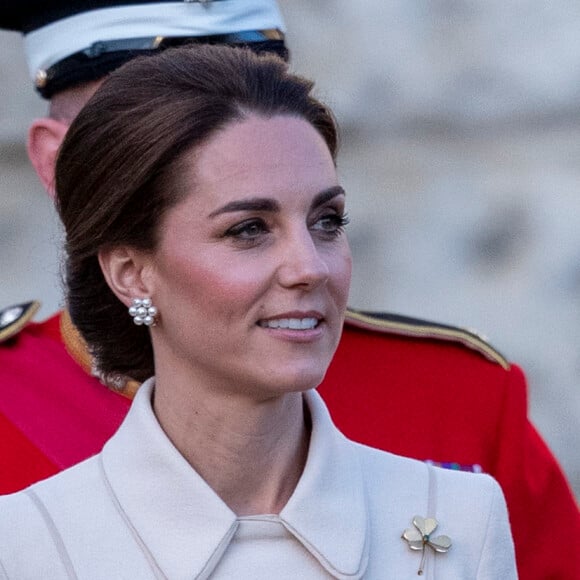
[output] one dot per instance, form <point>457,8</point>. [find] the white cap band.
<point>52,43</point>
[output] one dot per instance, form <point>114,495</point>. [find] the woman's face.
<point>252,271</point>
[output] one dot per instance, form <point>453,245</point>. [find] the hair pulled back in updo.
<point>118,169</point>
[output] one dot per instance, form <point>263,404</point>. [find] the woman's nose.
<point>302,263</point>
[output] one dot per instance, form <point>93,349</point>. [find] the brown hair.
<point>118,169</point>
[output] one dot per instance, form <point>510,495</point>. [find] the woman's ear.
<point>44,139</point>
<point>125,270</point>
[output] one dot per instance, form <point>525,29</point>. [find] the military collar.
<point>171,509</point>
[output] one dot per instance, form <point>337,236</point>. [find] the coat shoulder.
<point>393,325</point>
<point>28,542</point>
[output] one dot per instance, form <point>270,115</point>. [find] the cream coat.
<point>138,511</point>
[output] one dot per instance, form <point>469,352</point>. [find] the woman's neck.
<point>251,453</point>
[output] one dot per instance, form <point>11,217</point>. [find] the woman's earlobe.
<point>45,137</point>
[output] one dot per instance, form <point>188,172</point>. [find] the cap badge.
<point>40,78</point>
<point>419,538</point>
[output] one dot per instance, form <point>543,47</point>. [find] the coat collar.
<point>184,527</point>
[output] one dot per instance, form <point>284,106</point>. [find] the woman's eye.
<point>332,223</point>
<point>247,230</point>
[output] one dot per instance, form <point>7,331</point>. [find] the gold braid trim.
<point>79,351</point>
<point>411,327</point>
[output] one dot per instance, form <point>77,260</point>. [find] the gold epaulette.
<point>388,323</point>
<point>14,318</point>
<point>78,350</point>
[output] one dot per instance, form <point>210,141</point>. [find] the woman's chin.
<point>297,379</point>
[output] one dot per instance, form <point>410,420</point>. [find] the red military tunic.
<point>427,391</point>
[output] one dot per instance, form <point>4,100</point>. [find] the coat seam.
<point>3,573</point>
<point>54,534</point>
<point>487,526</point>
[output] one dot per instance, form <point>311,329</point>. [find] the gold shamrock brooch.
<point>420,536</point>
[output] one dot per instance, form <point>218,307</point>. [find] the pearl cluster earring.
<point>143,312</point>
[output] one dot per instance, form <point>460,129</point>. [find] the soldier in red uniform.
<point>465,405</point>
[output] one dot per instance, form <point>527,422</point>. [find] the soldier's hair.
<point>118,170</point>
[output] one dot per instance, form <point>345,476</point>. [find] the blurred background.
<point>461,158</point>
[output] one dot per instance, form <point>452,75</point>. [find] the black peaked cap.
<point>94,61</point>
<point>28,15</point>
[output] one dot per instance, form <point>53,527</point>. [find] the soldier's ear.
<point>126,271</point>
<point>44,139</point>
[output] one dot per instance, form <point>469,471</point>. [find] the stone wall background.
<point>461,156</point>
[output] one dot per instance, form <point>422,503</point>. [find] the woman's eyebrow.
<point>271,205</point>
<point>326,195</point>
<point>251,204</point>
